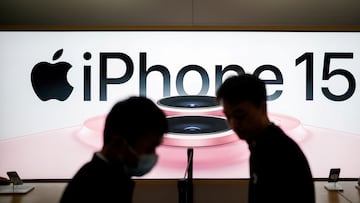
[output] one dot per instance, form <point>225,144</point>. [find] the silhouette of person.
<point>279,170</point>
<point>133,129</point>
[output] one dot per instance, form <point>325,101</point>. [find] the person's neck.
<point>111,154</point>
<point>265,123</point>
<point>262,127</point>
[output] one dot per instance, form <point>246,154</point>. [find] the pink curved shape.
<point>92,129</point>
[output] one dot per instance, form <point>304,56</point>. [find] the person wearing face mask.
<point>133,129</point>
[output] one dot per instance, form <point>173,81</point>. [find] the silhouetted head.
<point>134,128</point>
<point>243,98</point>
<point>133,118</point>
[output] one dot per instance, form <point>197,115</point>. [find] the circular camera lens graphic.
<point>189,125</point>
<point>189,101</point>
<point>190,104</point>
<point>194,131</point>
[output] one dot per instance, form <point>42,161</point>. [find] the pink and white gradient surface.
<point>58,154</point>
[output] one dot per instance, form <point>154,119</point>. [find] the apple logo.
<point>49,81</point>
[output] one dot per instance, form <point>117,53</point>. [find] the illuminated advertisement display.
<point>57,87</point>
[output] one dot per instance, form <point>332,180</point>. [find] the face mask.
<point>145,164</point>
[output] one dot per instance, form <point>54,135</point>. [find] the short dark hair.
<point>244,87</point>
<point>134,117</point>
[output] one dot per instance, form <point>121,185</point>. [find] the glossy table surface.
<point>204,191</point>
